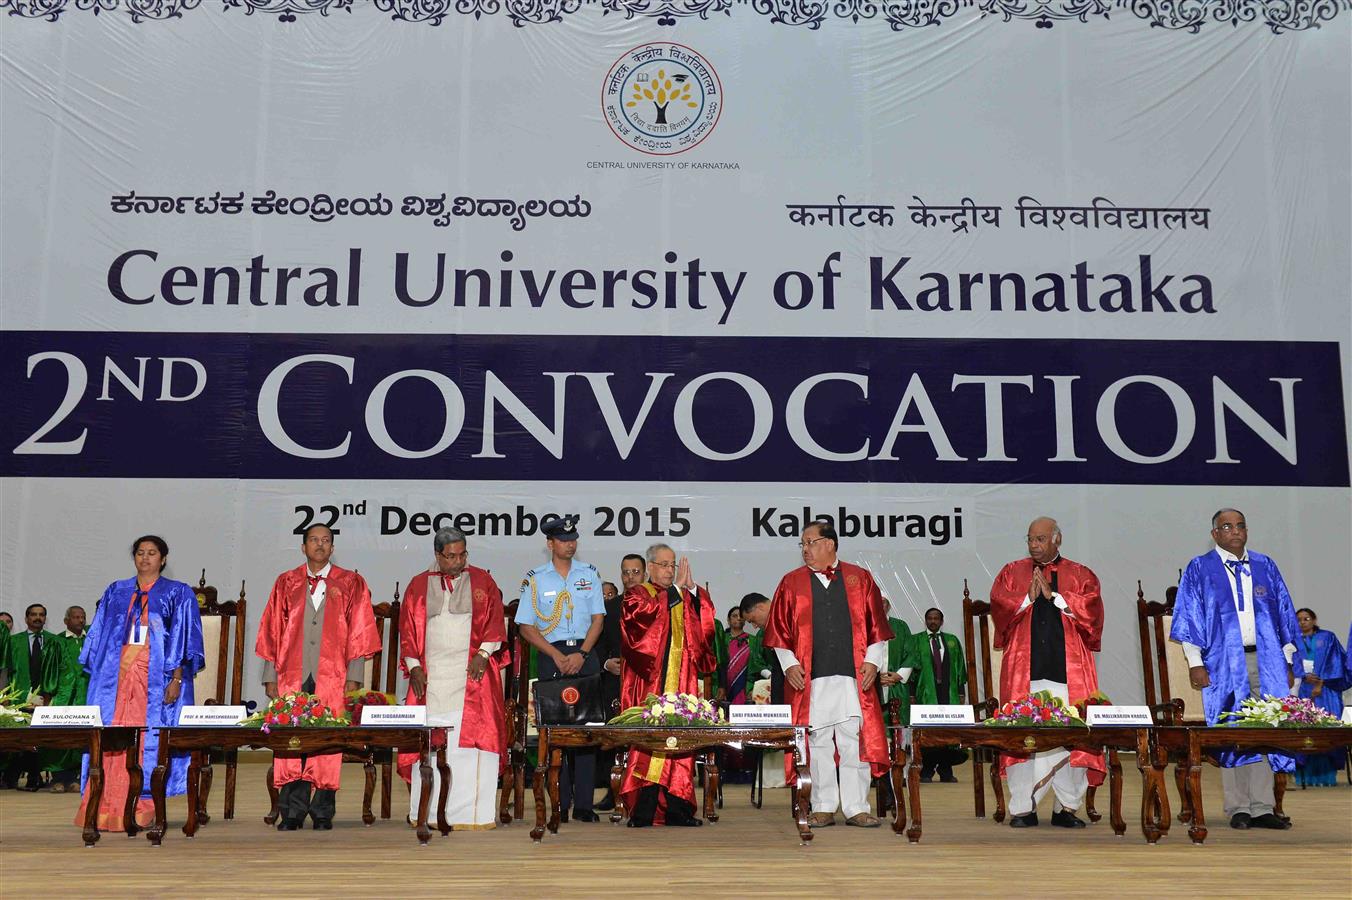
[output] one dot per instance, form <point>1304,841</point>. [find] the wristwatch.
<point>484,653</point>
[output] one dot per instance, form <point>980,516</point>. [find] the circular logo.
<point>662,98</point>
<point>570,695</point>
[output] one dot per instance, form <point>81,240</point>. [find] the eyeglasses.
<point>665,565</point>
<point>803,545</point>
<point>1227,528</point>
<point>631,571</point>
<point>446,554</point>
<point>321,541</point>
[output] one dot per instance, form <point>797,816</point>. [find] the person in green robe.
<point>762,663</point>
<point>941,676</point>
<point>719,676</point>
<point>72,685</point>
<point>901,664</point>
<point>4,653</point>
<point>33,661</point>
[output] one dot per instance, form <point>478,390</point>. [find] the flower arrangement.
<point>671,709</point>
<point>355,700</point>
<point>1041,708</point>
<point>11,716</point>
<point>1281,712</point>
<point>296,709</point>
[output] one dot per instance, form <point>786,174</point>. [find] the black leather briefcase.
<point>569,700</point>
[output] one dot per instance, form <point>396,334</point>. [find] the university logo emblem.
<point>1260,590</point>
<point>852,581</point>
<point>480,595</point>
<point>570,696</point>
<point>662,98</point>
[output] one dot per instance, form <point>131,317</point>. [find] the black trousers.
<point>295,801</point>
<point>577,778</point>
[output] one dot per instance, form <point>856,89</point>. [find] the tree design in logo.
<point>662,92</point>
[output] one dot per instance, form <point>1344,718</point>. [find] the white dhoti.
<point>1050,770</point>
<point>474,773</point>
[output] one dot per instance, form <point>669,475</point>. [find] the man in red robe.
<point>828,626</point>
<point>667,633</point>
<point>1048,616</point>
<point>317,627</point>
<point>451,632</point>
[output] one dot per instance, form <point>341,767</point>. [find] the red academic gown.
<point>646,628</point>
<point>484,723</point>
<point>349,633</point>
<point>790,627</point>
<point>1079,587</point>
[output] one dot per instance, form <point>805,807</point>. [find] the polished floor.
<point>748,853</point>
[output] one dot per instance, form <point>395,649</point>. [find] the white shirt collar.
<point>1227,556</point>
<point>70,634</point>
<point>322,573</point>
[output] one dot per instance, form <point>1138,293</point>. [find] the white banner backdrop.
<point>931,283</point>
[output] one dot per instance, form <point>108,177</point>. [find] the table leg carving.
<point>1197,826</point>
<point>505,795</point>
<point>157,787</point>
<point>538,787</point>
<point>1152,786</point>
<point>94,793</point>
<point>1090,810</point>
<point>978,784</point>
<point>1115,794</point>
<point>711,786</point>
<point>204,789</point>
<point>617,782</point>
<point>803,790</point>
<point>519,794</point>
<point>999,790</point>
<point>231,763</point>
<point>135,782</point>
<point>424,796</point>
<point>385,775</point>
<point>555,765</point>
<point>898,775</point>
<point>913,788</point>
<point>194,792</point>
<point>1184,800</point>
<point>443,769</point>
<point>369,768</point>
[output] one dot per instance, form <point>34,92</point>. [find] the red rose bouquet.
<point>1041,708</point>
<point>357,699</point>
<point>296,709</point>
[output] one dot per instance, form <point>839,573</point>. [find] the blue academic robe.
<point>1205,615</point>
<point>1329,664</point>
<point>175,640</point>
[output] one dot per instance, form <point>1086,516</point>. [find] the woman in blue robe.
<point>142,651</point>
<point>1320,664</point>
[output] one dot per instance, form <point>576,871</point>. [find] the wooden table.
<point>93,740</point>
<point>1029,740</point>
<point>685,740</point>
<point>291,743</point>
<point>1190,743</point>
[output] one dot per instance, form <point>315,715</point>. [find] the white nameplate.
<point>1119,715</point>
<point>942,714</point>
<point>760,714</point>
<point>67,715</point>
<point>1347,715</point>
<point>212,715</point>
<point>394,715</point>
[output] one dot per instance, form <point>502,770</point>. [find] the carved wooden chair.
<point>221,679</point>
<point>512,799</point>
<point>381,673</point>
<point>1165,669</point>
<point>983,681</point>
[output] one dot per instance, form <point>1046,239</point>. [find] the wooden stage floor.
<point>748,853</point>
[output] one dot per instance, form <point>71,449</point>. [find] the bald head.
<point>1044,540</point>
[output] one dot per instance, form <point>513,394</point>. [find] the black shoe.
<point>948,779</point>
<point>32,787</point>
<point>686,822</point>
<point>1024,821</point>
<point>563,815</point>
<point>289,824</point>
<point>323,825</point>
<point>1067,819</point>
<point>1240,821</point>
<point>1267,820</point>
<point>607,803</point>
<point>926,779</point>
<point>585,815</point>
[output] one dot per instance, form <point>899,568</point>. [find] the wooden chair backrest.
<point>1163,664</point>
<point>983,660</point>
<point>381,672</point>
<point>221,679</point>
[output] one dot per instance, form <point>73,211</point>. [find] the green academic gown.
<point>924,678</point>
<point>900,655</point>
<point>18,663</point>
<point>72,686</point>
<point>720,655</point>
<point>5,665</point>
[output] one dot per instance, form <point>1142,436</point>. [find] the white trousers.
<point>1051,770</point>
<point>1249,789</point>
<point>474,789</point>
<point>845,787</point>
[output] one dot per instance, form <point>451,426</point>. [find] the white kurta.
<point>474,773</point>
